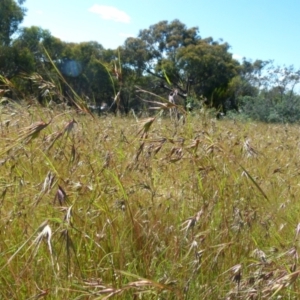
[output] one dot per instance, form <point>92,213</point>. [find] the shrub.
<point>271,110</point>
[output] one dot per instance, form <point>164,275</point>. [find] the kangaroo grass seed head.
<point>48,182</point>
<point>69,126</point>
<point>162,211</point>
<point>60,196</point>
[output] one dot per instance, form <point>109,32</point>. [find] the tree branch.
<point>182,94</point>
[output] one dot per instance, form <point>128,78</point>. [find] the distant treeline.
<point>165,57</point>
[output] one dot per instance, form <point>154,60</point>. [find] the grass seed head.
<point>61,196</point>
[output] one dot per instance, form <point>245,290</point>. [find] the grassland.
<point>121,208</point>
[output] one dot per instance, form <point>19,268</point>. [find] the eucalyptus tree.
<point>179,58</point>
<point>11,15</point>
<point>40,43</point>
<point>86,67</point>
<point>210,66</point>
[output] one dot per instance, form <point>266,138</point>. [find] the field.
<point>119,208</point>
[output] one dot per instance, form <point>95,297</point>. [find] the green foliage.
<point>266,109</point>
<point>11,15</point>
<point>164,39</point>
<point>135,55</point>
<point>166,57</point>
<point>86,67</point>
<point>211,67</point>
<point>177,55</point>
<point>14,60</point>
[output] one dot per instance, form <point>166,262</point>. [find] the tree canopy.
<point>166,56</point>
<point>11,15</point>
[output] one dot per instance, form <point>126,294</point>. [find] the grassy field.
<point>121,208</point>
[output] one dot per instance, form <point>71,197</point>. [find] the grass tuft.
<point>108,208</point>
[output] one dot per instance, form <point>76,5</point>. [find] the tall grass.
<point>99,208</point>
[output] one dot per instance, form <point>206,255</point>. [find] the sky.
<point>255,29</point>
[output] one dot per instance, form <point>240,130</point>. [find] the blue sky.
<point>255,29</point>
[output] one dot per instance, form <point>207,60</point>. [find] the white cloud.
<point>110,13</point>
<point>39,12</point>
